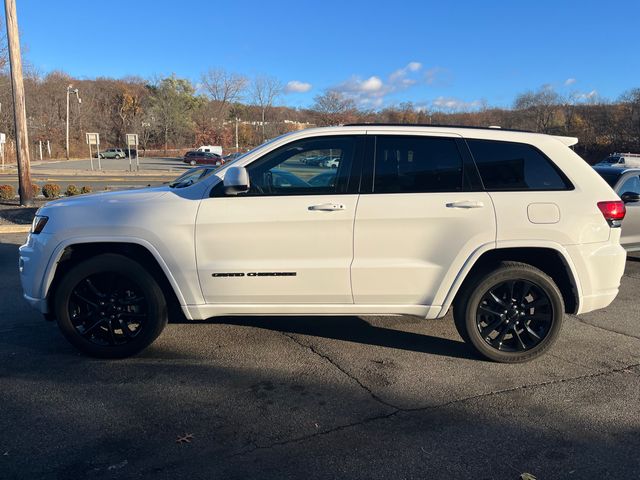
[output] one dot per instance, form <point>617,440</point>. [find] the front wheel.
<point>512,314</point>
<point>109,306</point>
<point>192,163</point>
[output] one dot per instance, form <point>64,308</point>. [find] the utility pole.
<point>19,106</point>
<point>70,89</point>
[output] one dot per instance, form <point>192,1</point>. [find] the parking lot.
<point>337,397</point>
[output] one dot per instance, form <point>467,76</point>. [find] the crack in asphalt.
<point>342,370</point>
<point>584,322</point>
<point>397,410</point>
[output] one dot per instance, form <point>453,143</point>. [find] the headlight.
<point>38,224</point>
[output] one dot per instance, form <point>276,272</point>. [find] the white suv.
<point>512,229</point>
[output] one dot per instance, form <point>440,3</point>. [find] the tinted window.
<point>405,164</point>
<point>294,169</point>
<point>515,166</point>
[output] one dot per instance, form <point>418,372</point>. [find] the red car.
<point>203,158</point>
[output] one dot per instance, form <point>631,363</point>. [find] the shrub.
<point>86,189</point>
<point>7,192</point>
<point>35,189</point>
<point>71,191</point>
<point>51,190</point>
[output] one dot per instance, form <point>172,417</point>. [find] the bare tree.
<point>333,107</point>
<point>224,87</point>
<point>264,91</point>
<point>541,107</point>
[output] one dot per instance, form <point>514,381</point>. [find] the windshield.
<point>191,177</point>
<point>611,160</point>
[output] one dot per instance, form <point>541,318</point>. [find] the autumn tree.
<point>173,100</point>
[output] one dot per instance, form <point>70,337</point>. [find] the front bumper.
<point>33,262</point>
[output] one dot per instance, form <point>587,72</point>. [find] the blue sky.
<point>440,54</point>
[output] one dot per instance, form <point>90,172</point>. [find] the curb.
<point>15,228</point>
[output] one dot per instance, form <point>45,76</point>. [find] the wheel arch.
<point>72,252</point>
<point>550,258</point>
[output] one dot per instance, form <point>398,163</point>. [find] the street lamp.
<point>70,89</point>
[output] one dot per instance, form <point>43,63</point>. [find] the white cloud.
<point>455,104</point>
<point>592,95</point>
<point>438,76</point>
<point>371,92</point>
<point>401,73</point>
<point>569,81</point>
<point>295,86</point>
<point>371,84</point>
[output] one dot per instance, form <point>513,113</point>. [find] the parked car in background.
<point>626,183</point>
<point>331,162</point>
<point>112,153</point>
<point>232,156</point>
<point>195,157</point>
<point>314,160</point>
<point>624,160</point>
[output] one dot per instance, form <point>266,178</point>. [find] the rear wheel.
<point>511,314</point>
<point>109,306</point>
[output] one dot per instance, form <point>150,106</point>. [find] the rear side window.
<point>406,164</point>
<point>507,166</point>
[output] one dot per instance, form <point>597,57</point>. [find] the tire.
<point>118,157</point>
<point>105,295</point>
<point>509,330</point>
<point>192,163</point>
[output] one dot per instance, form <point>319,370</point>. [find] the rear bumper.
<point>599,268</point>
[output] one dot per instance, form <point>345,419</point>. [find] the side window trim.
<point>472,181</point>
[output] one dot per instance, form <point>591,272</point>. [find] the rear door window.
<point>510,166</point>
<point>415,164</point>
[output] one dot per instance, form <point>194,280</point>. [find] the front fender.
<point>51,267</point>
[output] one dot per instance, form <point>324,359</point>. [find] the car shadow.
<point>352,329</point>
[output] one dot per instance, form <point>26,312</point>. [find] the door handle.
<point>466,204</point>
<point>327,207</point>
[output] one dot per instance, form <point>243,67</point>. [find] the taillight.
<point>613,212</point>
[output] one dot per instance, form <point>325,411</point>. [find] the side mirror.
<point>630,197</point>
<point>236,180</point>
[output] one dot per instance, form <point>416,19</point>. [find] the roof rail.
<point>628,154</point>
<point>491,127</point>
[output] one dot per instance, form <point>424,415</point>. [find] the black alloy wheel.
<point>110,306</point>
<point>108,309</point>
<point>512,313</point>
<point>515,315</point>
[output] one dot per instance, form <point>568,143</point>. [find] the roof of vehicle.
<point>491,132</point>
<point>619,171</point>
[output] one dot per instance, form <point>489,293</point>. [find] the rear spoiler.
<point>568,141</point>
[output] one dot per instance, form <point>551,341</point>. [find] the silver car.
<point>626,183</point>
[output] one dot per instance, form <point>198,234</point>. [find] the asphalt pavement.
<point>335,397</point>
